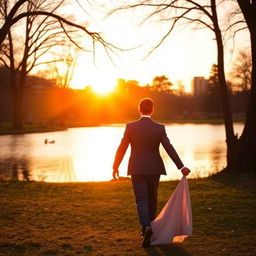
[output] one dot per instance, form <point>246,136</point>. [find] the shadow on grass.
<point>244,180</point>
<point>165,250</point>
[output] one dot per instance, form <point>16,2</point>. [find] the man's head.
<point>146,106</point>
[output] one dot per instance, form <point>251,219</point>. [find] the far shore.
<point>5,129</point>
<point>26,130</point>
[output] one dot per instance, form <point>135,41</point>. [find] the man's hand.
<point>185,171</point>
<point>115,174</point>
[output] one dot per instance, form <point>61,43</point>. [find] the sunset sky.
<point>186,53</point>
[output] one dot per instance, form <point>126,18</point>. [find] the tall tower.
<point>199,85</point>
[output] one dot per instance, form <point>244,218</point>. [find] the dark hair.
<point>146,106</point>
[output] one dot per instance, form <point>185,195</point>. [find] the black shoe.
<point>146,237</point>
<point>142,232</point>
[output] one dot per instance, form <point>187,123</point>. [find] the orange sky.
<point>185,54</point>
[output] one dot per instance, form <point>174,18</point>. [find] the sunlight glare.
<point>103,84</point>
<point>101,81</point>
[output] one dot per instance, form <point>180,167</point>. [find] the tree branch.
<point>176,19</point>
<point>96,36</point>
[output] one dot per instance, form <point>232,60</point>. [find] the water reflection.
<point>15,169</point>
<point>86,154</point>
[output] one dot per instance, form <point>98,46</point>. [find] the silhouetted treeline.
<point>62,106</point>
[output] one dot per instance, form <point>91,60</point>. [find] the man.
<point>145,163</point>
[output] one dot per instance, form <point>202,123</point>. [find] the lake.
<point>86,154</point>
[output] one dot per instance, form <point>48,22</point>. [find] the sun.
<point>103,84</point>
<point>100,84</point>
<point>101,81</point>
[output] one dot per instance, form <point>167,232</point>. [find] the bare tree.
<point>42,32</point>
<point>22,52</point>
<point>18,11</point>
<point>63,66</point>
<point>241,71</point>
<point>205,15</point>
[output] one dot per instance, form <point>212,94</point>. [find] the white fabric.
<point>174,223</point>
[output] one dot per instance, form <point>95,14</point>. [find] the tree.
<point>43,30</point>
<point>213,100</point>
<point>17,12</point>
<point>205,15</point>
<point>161,84</point>
<point>22,53</point>
<point>244,159</point>
<point>242,72</point>
<point>181,88</point>
<point>213,78</point>
<point>62,68</point>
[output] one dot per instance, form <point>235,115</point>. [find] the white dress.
<point>174,223</point>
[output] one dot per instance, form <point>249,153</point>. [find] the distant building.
<point>121,86</point>
<point>133,83</point>
<point>124,86</point>
<point>199,85</point>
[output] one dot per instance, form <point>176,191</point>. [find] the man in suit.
<point>145,163</point>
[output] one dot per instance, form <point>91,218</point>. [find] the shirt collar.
<point>145,116</point>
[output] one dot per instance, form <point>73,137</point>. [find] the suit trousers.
<point>145,191</point>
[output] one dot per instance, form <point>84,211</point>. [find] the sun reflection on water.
<point>86,154</point>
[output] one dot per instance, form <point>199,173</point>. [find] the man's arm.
<point>170,150</point>
<point>120,153</point>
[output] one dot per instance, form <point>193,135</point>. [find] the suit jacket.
<point>145,137</point>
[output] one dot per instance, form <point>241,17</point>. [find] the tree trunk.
<point>231,140</point>
<point>244,159</point>
<point>17,92</point>
<point>18,87</point>
<point>17,108</point>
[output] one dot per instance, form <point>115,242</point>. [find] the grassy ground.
<point>100,218</point>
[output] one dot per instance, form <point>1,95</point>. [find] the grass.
<point>100,218</point>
